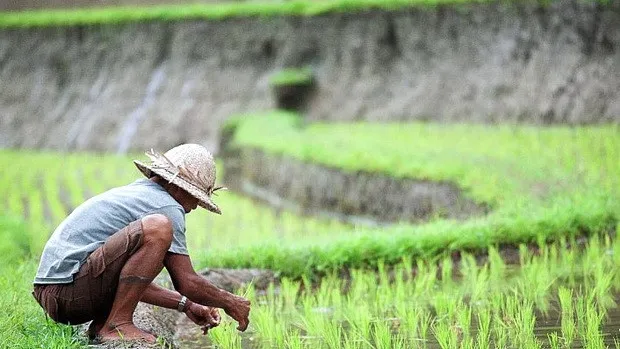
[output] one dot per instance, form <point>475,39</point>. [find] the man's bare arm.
<point>165,298</point>
<point>201,291</point>
<point>161,297</point>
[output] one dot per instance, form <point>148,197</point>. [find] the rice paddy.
<point>443,284</point>
<point>43,188</point>
<point>559,296</point>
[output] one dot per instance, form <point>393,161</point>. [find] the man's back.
<point>91,223</point>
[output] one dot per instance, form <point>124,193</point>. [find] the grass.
<point>542,184</point>
<point>493,164</point>
<point>390,309</point>
<point>23,323</point>
<point>219,11</point>
<point>44,187</point>
<point>291,76</point>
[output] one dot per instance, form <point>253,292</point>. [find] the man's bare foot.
<point>125,331</point>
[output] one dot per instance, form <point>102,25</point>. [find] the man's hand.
<point>203,316</point>
<point>239,309</point>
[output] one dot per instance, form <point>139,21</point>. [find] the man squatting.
<point>102,259</point>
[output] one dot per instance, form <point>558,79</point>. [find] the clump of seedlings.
<point>392,308</point>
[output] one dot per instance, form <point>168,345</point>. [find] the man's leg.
<point>136,275</point>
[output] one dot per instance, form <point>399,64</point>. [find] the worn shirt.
<point>91,223</point>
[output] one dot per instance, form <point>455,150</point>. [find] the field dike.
<point>358,198</point>
<point>119,87</point>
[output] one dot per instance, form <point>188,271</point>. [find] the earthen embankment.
<point>157,84</point>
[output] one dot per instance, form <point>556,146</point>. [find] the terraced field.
<point>398,286</point>
<point>43,188</point>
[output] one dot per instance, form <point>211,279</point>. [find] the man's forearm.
<point>201,291</point>
<point>161,297</point>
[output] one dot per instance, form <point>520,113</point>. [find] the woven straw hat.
<point>188,166</point>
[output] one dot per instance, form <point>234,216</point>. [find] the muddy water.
<point>190,337</point>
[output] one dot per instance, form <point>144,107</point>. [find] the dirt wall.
<point>143,85</point>
<point>359,198</point>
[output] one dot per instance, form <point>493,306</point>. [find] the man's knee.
<point>157,227</point>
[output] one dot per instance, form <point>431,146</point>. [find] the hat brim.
<point>204,200</point>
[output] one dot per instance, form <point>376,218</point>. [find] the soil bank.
<point>141,85</point>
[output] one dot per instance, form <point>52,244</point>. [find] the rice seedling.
<point>483,336</point>
<point>383,338</point>
<point>226,336</point>
<point>554,340</point>
<point>567,316</point>
<point>445,334</point>
<point>591,334</point>
<point>293,340</point>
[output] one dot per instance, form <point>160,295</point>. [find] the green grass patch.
<point>23,323</point>
<point>291,76</point>
<point>218,11</point>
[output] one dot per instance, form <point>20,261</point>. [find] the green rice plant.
<point>383,338</point>
<point>568,261</point>
<point>360,318</point>
<point>554,340</point>
<point>592,319</point>
<point>525,322</point>
<point>445,333</point>
<point>425,323</point>
<point>615,252</point>
<point>447,269</point>
<point>226,336</point>
<point>268,325</point>
<point>425,280</point>
<point>293,339</point>
<point>446,305</point>
<point>333,335</point>
<point>501,320</point>
<point>464,324</point>
<point>483,336</point>
<point>410,320</point>
<point>497,267</point>
<point>289,290</point>
<point>476,278</point>
<point>568,316</point>
<point>314,320</point>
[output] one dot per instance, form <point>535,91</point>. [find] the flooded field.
<point>559,298</point>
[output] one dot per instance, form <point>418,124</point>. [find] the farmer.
<point>102,259</point>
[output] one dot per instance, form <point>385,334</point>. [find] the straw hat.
<point>188,166</point>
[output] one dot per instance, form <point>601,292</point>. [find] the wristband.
<point>181,305</point>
